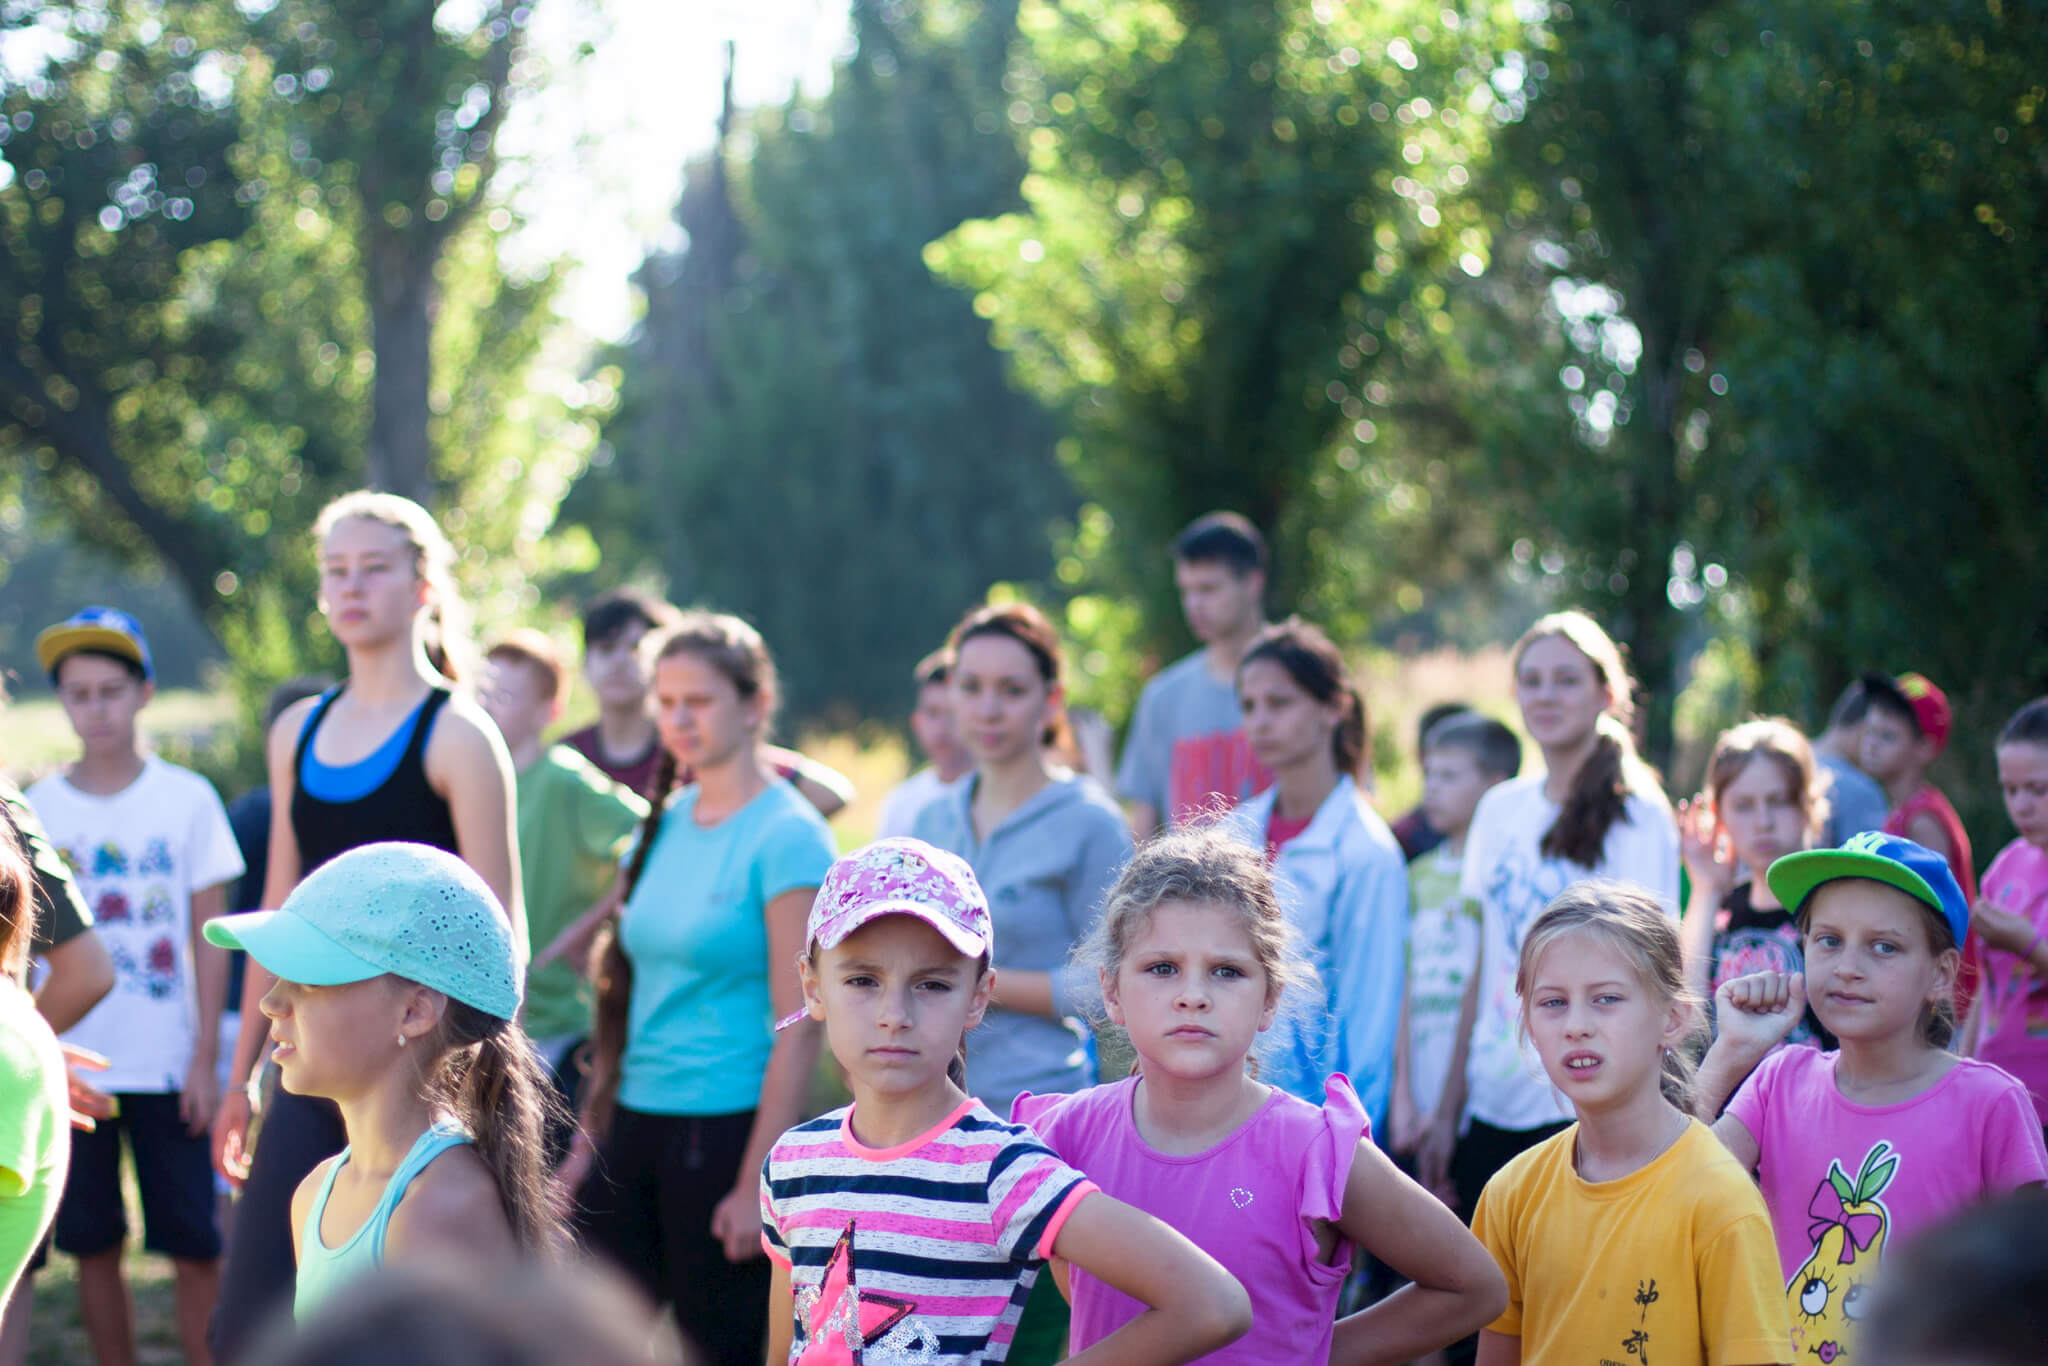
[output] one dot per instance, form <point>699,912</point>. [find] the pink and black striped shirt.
<point>924,1252</point>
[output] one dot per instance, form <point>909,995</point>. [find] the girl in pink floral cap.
<point>911,1224</point>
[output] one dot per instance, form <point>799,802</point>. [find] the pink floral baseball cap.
<point>902,876</point>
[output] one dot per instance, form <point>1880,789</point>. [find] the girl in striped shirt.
<point>910,1226</point>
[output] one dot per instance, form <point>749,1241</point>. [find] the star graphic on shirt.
<point>845,1318</point>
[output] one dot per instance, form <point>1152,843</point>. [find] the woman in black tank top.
<point>386,592</point>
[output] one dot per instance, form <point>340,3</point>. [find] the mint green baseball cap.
<point>411,910</point>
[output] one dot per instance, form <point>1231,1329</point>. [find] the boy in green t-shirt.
<point>572,822</point>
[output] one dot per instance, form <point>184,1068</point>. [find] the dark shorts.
<point>173,1171</point>
<point>646,1207</point>
<point>1483,1150</point>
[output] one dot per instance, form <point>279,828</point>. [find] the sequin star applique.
<point>845,1319</point>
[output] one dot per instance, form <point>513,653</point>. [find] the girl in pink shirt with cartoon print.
<point>1859,1149</point>
<point>1196,958</point>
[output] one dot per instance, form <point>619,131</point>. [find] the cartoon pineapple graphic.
<point>1848,1225</point>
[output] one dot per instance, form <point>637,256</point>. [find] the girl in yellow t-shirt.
<point>1632,1237</point>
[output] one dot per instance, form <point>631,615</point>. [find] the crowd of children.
<point>1547,1070</point>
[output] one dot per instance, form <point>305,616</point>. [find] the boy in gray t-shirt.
<point>1186,752</point>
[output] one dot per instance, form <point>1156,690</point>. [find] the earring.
<point>401,1039</point>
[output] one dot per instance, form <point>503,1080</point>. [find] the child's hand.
<point>573,943</point>
<point>2001,929</point>
<point>736,1223</point>
<point>1703,846</point>
<point>231,1135</point>
<point>89,1104</point>
<point>1405,1126</point>
<point>1755,1012</point>
<point>199,1096</point>
<point>568,1178</point>
<point>1433,1156</point>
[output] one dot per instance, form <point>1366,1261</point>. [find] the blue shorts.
<point>173,1171</point>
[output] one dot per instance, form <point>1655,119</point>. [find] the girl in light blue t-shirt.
<point>690,1085</point>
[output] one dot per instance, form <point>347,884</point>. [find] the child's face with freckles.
<point>1871,964</point>
<point>896,1000</point>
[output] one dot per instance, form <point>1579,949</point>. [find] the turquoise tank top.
<point>324,1269</point>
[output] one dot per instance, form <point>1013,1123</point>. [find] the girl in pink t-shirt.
<point>1859,1149</point>
<point>2009,1018</point>
<point>1195,956</point>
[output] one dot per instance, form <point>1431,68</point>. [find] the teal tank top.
<point>323,1269</point>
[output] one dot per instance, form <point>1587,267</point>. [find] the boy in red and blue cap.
<point>1905,731</point>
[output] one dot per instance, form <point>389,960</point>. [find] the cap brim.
<point>832,935</point>
<point>1794,877</point>
<point>285,944</point>
<point>59,641</point>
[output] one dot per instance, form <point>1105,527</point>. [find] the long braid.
<point>611,972</point>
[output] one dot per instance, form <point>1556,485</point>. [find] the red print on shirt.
<point>1209,774</point>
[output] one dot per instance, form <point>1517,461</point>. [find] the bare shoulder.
<point>464,734</point>
<point>307,1191</point>
<point>454,1200</point>
<point>290,723</point>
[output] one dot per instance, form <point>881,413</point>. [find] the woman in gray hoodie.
<point>1045,844</point>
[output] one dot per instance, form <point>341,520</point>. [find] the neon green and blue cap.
<point>1913,868</point>
<point>410,910</point>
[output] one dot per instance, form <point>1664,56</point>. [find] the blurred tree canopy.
<point>252,261</point>
<point>813,432</point>
<point>1724,318</point>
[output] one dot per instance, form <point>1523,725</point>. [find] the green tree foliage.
<point>812,431</point>
<point>1885,482</point>
<point>253,260</point>
<point>1226,278</point>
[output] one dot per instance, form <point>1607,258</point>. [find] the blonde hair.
<point>17,899</point>
<point>1635,923</point>
<point>1778,740</point>
<point>447,634</point>
<point>1202,867</point>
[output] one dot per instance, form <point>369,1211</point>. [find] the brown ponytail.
<point>490,1082</point>
<point>1317,667</point>
<point>611,972</point>
<point>1598,798</point>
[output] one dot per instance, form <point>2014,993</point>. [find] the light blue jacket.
<point>1345,888</point>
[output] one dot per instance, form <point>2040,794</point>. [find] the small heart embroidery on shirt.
<point>1240,1197</point>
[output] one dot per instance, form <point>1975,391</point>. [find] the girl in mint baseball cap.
<point>397,996</point>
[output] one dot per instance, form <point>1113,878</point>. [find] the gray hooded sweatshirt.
<point>1045,871</point>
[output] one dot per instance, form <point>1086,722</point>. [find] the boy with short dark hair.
<point>620,631</point>
<point>939,737</point>
<point>1855,802</point>
<point>152,851</point>
<point>1905,731</point>
<point>1186,755</point>
<point>623,742</point>
<point>1463,755</point>
<point>572,821</point>
<point>1413,831</point>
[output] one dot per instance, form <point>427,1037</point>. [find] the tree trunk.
<point>404,298</point>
